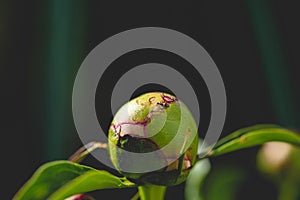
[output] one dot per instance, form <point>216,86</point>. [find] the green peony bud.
<point>147,124</point>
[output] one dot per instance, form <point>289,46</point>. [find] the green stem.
<point>288,190</point>
<point>152,192</point>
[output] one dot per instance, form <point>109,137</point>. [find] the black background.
<point>223,28</point>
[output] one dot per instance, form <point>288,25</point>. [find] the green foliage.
<point>61,179</point>
<point>195,180</point>
<point>225,180</point>
<point>252,136</point>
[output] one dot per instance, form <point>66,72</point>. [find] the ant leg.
<point>81,153</point>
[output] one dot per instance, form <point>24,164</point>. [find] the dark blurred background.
<point>255,44</point>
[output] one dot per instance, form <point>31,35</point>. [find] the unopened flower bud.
<point>147,124</point>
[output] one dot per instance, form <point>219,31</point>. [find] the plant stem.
<point>136,196</point>
<point>288,190</point>
<point>81,153</point>
<point>152,192</point>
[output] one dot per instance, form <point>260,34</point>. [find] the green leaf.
<point>61,179</point>
<point>223,183</point>
<point>195,180</point>
<point>252,136</point>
